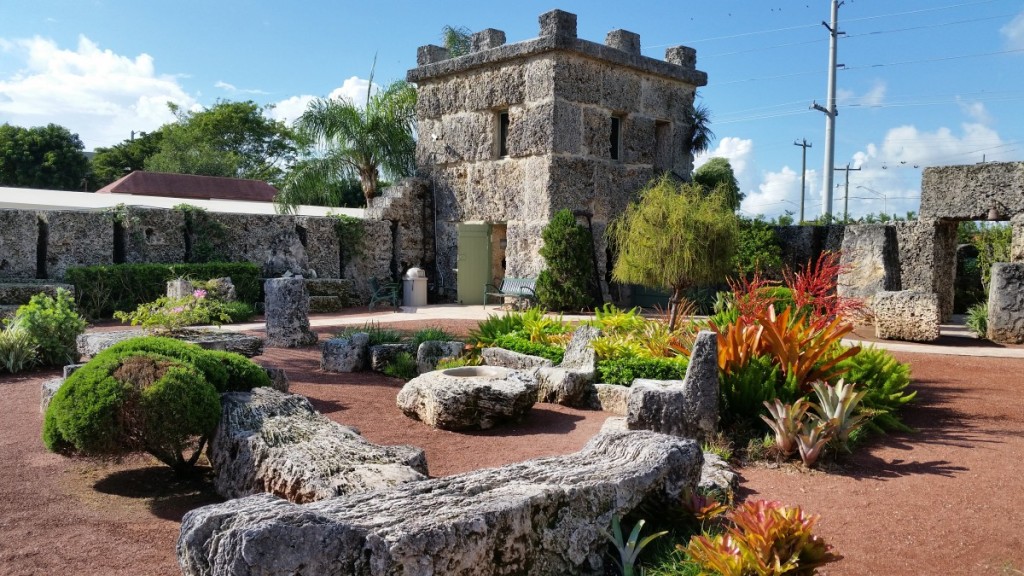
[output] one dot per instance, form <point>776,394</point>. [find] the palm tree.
<point>701,135</point>
<point>355,142</point>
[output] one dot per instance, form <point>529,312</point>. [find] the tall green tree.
<point>353,141</point>
<point>716,175</point>
<point>113,162</point>
<point>231,139</point>
<point>47,157</point>
<point>674,237</point>
<point>566,281</point>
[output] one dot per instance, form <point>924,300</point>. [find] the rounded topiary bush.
<point>214,370</point>
<point>133,402</point>
<point>149,394</point>
<point>242,374</point>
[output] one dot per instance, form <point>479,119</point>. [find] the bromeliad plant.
<point>763,538</point>
<point>836,405</point>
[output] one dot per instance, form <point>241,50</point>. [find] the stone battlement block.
<point>558,23</point>
<point>911,315</point>
<point>623,40</point>
<point>487,39</point>
<point>430,54</point>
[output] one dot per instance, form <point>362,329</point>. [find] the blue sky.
<point>925,82</point>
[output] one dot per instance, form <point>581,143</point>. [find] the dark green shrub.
<point>238,311</point>
<point>494,326</point>
<point>53,324</point>
<point>624,370</point>
<point>243,374</point>
<point>886,380</point>
<point>403,366</point>
<point>103,289</point>
<point>431,333</point>
<point>758,250</point>
<point>566,283</point>
<point>132,401</point>
<point>977,319</point>
<point>744,391</point>
<point>523,345</point>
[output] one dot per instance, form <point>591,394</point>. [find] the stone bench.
<point>269,441</point>
<point>688,407</point>
<point>911,315</point>
<point>470,397</point>
<point>542,517</point>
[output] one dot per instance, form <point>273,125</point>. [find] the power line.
<point>929,60</point>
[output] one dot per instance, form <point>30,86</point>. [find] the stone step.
<point>21,292</point>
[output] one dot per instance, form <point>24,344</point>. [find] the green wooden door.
<point>474,262</point>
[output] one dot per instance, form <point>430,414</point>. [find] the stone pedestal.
<point>287,311</point>
<point>1006,303</point>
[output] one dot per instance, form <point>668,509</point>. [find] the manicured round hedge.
<point>150,394</point>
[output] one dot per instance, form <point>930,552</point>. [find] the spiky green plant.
<point>977,319</point>
<point>837,405</point>
<point>886,381</point>
<point>629,550</point>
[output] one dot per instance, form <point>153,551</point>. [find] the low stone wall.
<point>44,244</point>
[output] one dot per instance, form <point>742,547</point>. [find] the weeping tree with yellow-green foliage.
<point>674,236</point>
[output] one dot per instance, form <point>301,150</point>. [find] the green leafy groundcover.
<point>523,345</point>
<point>101,290</point>
<point>156,395</point>
<point>623,371</point>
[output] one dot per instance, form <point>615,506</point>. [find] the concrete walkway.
<point>476,312</point>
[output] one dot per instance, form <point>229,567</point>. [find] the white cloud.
<point>875,96</point>
<point>1014,33</point>
<point>740,153</point>
<point>290,109</point>
<point>779,192</point>
<point>227,87</point>
<point>352,89</point>
<point>975,111</point>
<point>100,95</point>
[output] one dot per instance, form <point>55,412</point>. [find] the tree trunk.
<point>368,181</point>
<point>673,306</point>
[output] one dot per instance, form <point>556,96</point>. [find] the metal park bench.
<point>521,289</point>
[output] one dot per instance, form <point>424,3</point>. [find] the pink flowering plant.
<point>173,314</point>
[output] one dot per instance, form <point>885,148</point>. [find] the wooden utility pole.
<point>803,176</point>
<point>846,199</point>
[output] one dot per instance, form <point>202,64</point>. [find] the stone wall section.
<point>869,260</point>
<point>154,235</point>
<point>927,255</point>
<point>19,233</point>
<point>75,238</point>
<point>970,192</point>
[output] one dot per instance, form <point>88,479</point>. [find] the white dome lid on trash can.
<point>415,272</point>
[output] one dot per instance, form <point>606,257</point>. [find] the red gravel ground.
<point>948,499</point>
